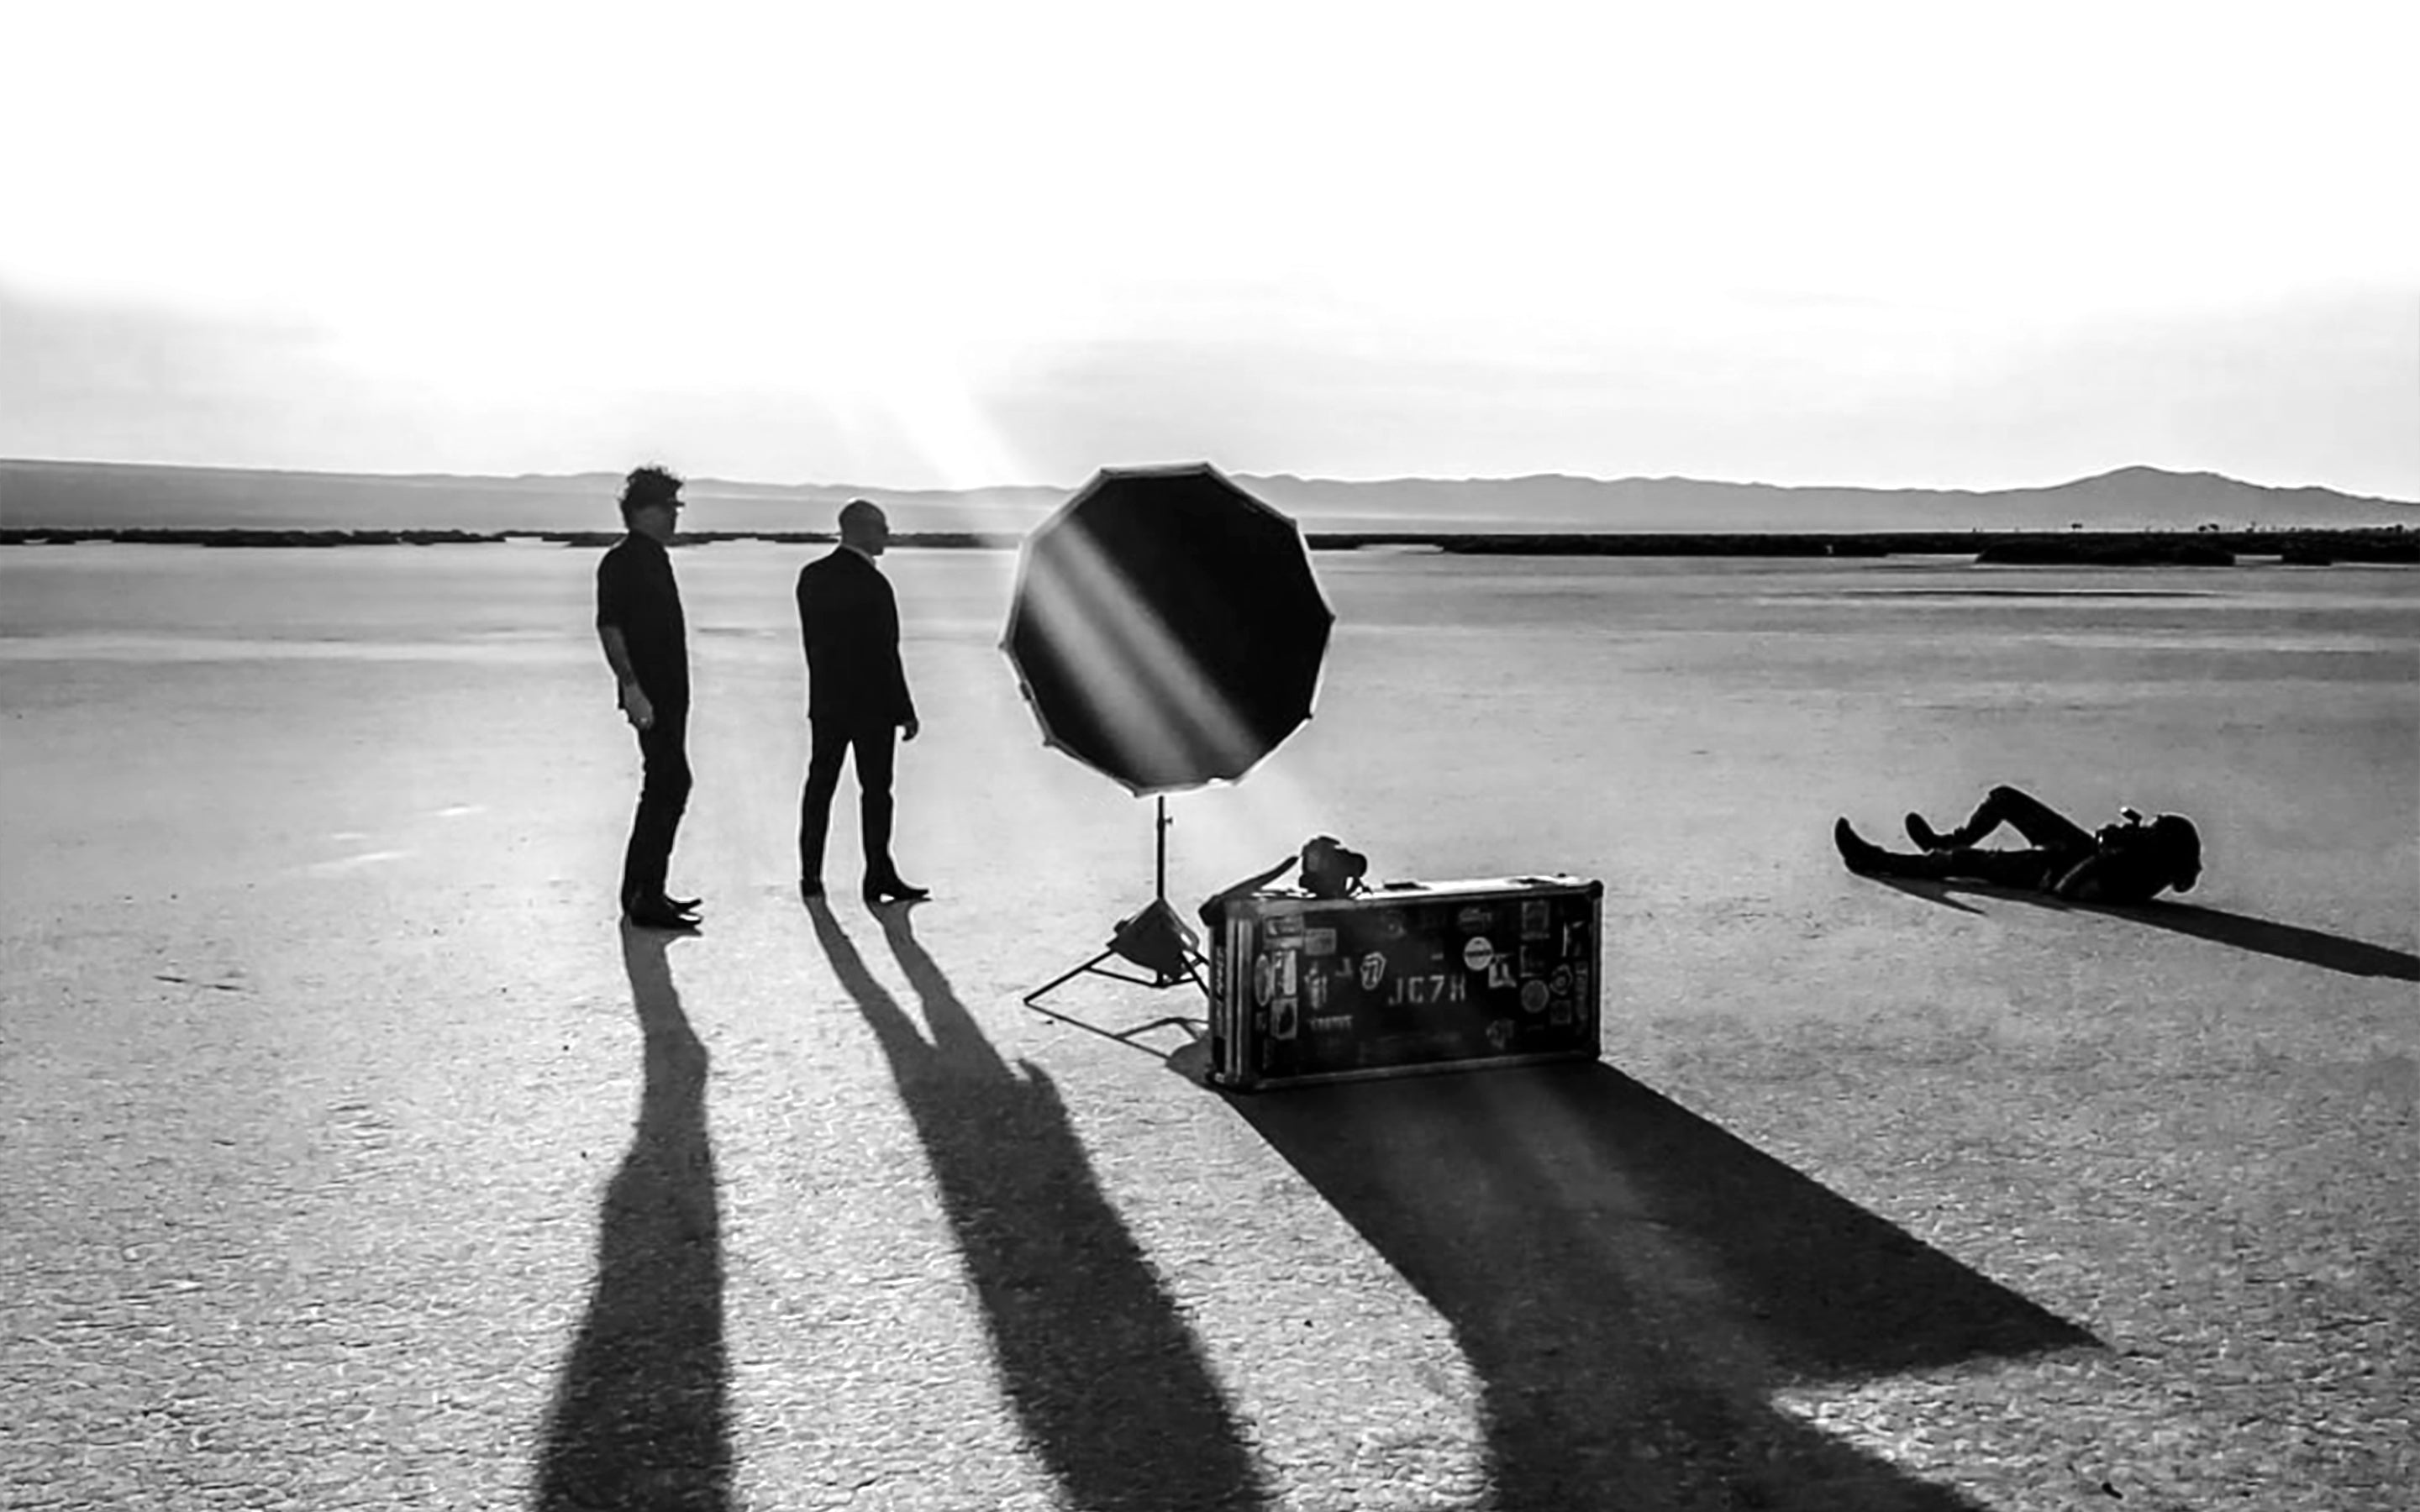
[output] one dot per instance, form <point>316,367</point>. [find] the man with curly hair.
<point>639,620</point>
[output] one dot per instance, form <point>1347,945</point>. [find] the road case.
<point>1408,977</point>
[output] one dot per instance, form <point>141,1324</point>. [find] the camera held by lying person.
<point>1329,869</point>
<point>2127,862</point>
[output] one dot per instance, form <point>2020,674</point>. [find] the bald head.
<point>863,527</point>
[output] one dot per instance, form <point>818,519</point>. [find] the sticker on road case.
<point>1419,990</point>
<point>1533,997</point>
<point>1536,918</point>
<point>1319,942</point>
<point>1273,977</point>
<point>1477,953</point>
<point>1373,971</point>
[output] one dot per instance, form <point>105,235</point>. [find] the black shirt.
<point>2127,865</point>
<point>636,593</point>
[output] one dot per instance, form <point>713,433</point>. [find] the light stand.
<point>1155,939</point>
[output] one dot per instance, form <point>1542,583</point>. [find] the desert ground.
<point>351,1155</point>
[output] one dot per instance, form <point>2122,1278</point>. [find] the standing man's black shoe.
<point>810,889</point>
<point>656,916</point>
<point>894,891</point>
<point>662,905</point>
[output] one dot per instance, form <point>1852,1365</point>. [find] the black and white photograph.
<point>1329,757</point>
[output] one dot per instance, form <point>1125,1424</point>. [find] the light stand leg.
<point>1154,938</point>
<point>1065,976</point>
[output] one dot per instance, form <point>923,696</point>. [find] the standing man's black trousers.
<point>829,743</point>
<point>663,795</point>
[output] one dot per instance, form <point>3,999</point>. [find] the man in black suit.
<point>856,696</point>
<point>640,623</point>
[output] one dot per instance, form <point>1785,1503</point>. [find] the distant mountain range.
<point>88,495</point>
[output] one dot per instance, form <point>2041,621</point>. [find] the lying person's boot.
<point>1868,859</point>
<point>1926,837</point>
<point>682,906</point>
<point>894,891</point>
<point>1861,855</point>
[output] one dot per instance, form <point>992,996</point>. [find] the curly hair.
<point>2182,844</point>
<point>646,485</point>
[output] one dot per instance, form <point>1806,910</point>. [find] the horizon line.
<point>1280,476</point>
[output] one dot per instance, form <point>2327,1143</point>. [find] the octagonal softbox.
<point>1165,627</point>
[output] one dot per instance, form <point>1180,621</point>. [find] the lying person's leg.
<point>2041,824</point>
<point>2006,868</point>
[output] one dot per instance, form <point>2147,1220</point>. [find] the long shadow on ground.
<point>640,1416</point>
<point>1631,1284</point>
<point>1105,1378</point>
<point>2336,952</point>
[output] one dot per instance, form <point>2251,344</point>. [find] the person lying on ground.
<point>2127,862</point>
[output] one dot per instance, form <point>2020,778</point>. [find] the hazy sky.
<point>914,244</point>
